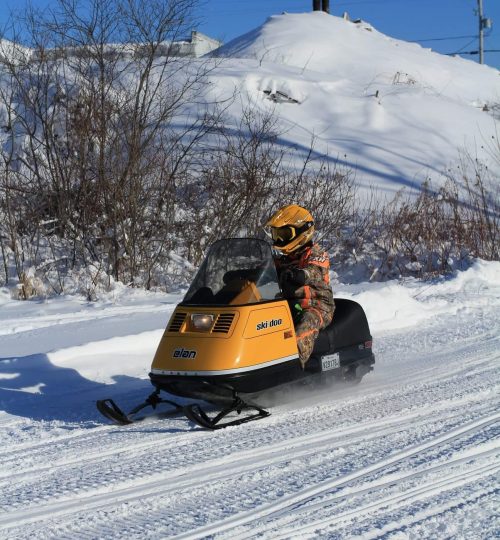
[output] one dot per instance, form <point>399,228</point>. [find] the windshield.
<point>235,271</point>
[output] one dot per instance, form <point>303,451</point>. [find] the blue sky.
<point>446,26</point>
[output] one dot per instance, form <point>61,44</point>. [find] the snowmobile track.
<point>226,471</point>
<point>288,504</point>
<point>395,501</point>
<point>413,450</point>
<point>240,461</point>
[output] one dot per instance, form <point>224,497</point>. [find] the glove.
<point>297,276</point>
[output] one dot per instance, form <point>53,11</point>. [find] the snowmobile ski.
<point>197,415</point>
<point>109,409</point>
<point>193,412</point>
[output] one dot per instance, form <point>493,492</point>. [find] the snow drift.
<point>395,112</point>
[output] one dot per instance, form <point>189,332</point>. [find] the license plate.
<point>330,361</point>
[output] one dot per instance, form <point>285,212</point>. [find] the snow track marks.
<point>413,448</point>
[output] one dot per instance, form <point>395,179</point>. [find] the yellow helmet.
<point>291,228</point>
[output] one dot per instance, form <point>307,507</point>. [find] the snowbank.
<point>394,112</point>
<point>358,53</point>
<point>392,305</point>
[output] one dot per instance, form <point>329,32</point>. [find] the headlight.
<point>202,321</point>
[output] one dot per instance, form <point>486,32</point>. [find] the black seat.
<point>348,327</point>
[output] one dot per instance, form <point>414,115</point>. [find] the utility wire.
<point>475,52</point>
<point>442,39</point>
<point>465,46</point>
<point>360,2</point>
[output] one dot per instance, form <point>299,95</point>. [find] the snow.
<point>411,452</point>
<point>393,111</point>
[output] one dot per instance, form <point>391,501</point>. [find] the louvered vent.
<point>223,323</point>
<point>176,322</point>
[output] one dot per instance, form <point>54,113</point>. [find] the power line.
<point>475,52</point>
<point>465,46</point>
<point>360,2</point>
<point>442,39</point>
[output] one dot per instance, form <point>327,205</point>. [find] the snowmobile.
<point>233,335</point>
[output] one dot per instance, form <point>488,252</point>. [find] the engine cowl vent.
<point>223,323</point>
<point>176,323</point>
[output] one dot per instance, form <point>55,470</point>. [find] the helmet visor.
<point>283,235</point>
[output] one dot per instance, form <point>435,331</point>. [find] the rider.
<point>304,274</point>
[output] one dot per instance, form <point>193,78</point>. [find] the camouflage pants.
<point>307,330</point>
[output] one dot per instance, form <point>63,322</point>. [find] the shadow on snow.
<point>35,388</point>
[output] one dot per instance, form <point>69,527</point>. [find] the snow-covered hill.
<point>411,452</point>
<point>394,111</point>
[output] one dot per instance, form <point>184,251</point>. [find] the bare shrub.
<point>106,174</point>
<point>247,174</point>
<point>480,212</point>
<point>29,286</point>
<point>328,191</point>
<point>235,184</point>
<point>93,149</point>
<point>425,235</point>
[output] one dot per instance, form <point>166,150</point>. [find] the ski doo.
<point>233,335</point>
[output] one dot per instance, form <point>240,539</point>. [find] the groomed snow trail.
<point>411,452</point>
